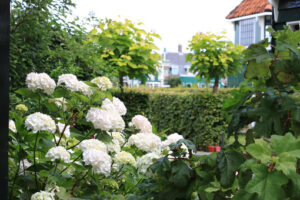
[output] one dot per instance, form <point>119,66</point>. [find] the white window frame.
<point>254,30</point>
<point>290,24</point>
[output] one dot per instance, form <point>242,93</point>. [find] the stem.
<point>70,163</point>
<point>78,180</point>
<point>121,82</point>
<point>65,127</point>
<point>34,160</point>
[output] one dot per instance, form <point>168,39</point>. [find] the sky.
<point>176,21</point>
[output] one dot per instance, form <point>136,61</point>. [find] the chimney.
<point>179,48</point>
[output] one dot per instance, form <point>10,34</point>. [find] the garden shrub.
<point>69,141</point>
<point>194,113</point>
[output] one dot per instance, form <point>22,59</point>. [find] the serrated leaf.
<point>261,150</point>
<point>286,144</point>
<point>228,163</point>
<point>286,163</point>
<point>60,92</point>
<point>268,185</point>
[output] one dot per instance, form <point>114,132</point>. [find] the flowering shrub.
<point>75,143</point>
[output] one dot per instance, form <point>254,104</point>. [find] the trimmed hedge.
<point>194,113</point>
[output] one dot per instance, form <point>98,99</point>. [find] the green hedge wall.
<point>195,114</point>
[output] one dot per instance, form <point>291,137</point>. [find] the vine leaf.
<point>228,163</point>
<point>261,150</point>
<point>267,184</point>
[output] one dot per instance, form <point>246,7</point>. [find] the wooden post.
<point>4,62</point>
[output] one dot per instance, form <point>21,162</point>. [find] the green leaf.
<point>25,92</point>
<point>110,183</point>
<point>60,92</point>
<point>268,185</point>
<point>286,144</point>
<point>261,150</point>
<point>286,163</point>
<point>63,194</point>
<point>228,164</point>
<point>180,174</point>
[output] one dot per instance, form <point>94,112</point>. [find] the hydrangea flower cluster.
<point>24,164</point>
<point>105,120</point>
<point>71,83</point>
<point>59,153</point>
<point>118,136</point>
<point>40,122</point>
<point>141,123</point>
<point>144,162</point>
<point>22,107</point>
<point>102,82</point>
<point>61,103</point>
<point>172,139</point>
<point>12,126</point>
<point>61,128</point>
<point>40,81</point>
<point>124,157</point>
<point>116,106</point>
<point>100,161</point>
<point>92,144</point>
<point>145,141</point>
<point>43,195</point>
<point>113,146</point>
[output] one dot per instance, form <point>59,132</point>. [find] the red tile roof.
<point>250,7</point>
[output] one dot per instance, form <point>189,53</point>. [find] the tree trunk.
<point>216,85</point>
<point>121,83</point>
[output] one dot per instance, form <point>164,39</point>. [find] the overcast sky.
<point>176,21</point>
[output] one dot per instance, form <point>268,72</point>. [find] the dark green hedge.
<point>195,115</point>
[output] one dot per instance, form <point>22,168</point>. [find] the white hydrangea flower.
<point>100,161</point>
<point>12,126</point>
<point>145,141</point>
<point>108,105</point>
<point>141,123</point>
<point>172,139</point>
<point>113,146</point>
<point>40,122</point>
<point>61,102</point>
<point>69,81</point>
<point>119,105</point>
<point>105,120</point>
<point>40,81</point>
<point>118,136</point>
<point>92,144</point>
<point>124,157</point>
<point>84,88</point>
<point>144,162</point>
<point>61,128</point>
<point>58,152</point>
<point>42,195</point>
<point>102,82</point>
<point>24,164</point>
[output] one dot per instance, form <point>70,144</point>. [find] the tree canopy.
<point>126,49</point>
<point>214,57</point>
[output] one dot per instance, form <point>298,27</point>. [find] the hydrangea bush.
<point>75,143</point>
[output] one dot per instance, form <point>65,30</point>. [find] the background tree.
<point>43,40</point>
<point>214,57</point>
<point>174,82</point>
<point>126,49</point>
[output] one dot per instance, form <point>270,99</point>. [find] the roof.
<point>250,7</point>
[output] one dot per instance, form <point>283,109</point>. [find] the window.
<point>174,71</point>
<point>247,28</point>
<point>294,26</point>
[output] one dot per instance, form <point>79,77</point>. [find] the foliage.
<point>174,82</point>
<point>30,169</point>
<point>125,48</point>
<point>214,57</point>
<point>194,113</point>
<point>267,165</point>
<point>44,39</point>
